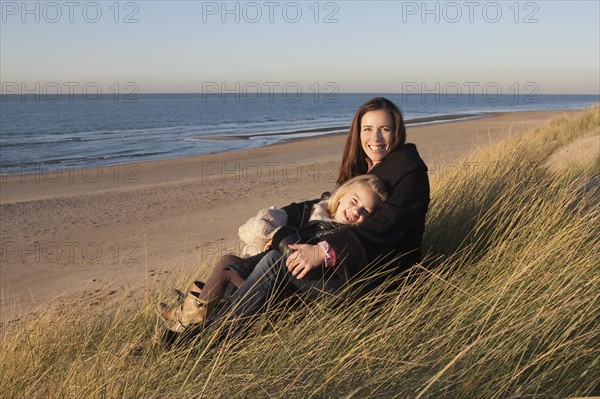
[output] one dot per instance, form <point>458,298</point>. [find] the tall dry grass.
<point>505,305</point>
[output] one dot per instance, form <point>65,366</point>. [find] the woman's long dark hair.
<point>353,159</point>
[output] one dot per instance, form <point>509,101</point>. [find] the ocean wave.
<point>158,128</point>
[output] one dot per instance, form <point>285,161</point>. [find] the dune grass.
<point>504,306</point>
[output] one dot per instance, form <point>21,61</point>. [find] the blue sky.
<point>358,46</point>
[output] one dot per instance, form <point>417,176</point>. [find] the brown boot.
<point>179,317</point>
<point>189,310</point>
<point>196,287</point>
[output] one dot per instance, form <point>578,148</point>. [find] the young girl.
<point>351,203</point>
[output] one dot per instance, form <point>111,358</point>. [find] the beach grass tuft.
<point>504,305</point>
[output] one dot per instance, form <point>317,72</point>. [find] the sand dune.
<point>581,152</point>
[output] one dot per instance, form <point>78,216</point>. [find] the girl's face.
<point>376,134</point>
<point>356,205</point>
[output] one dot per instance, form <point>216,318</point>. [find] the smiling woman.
<point>377,129</point>
<point>376,145</point>
<point>376,135</point>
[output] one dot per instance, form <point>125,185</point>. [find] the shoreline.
<point>343,129</point>
<point>46,183</point>
<point>50,168</point>
<point>107,169</point>
<point>25,168</point>
<point>120,228</point>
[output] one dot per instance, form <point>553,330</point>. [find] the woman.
<point>384,245</point>
<point>376,145</point>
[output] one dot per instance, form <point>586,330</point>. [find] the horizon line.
<point>246,93</point>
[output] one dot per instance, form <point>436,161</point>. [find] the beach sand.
<point>72,233</point>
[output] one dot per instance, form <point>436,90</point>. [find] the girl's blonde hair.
<point>371,181</point>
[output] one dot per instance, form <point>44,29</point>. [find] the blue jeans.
<point>271,278</point>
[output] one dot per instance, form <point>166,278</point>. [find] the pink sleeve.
<point>330,258</point>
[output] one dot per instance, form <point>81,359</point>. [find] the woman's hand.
<point>305,258</point>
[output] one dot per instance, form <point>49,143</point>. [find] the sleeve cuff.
<point>330,258</point>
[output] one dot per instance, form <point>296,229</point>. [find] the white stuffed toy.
<point>259,230</point>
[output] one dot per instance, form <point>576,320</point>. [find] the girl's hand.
<point>305,258</point>
<point>267,245</point>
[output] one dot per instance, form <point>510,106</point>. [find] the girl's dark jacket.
<point>298,230</point>
<point>394,230</point>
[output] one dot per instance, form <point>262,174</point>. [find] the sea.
<point>79,131</point>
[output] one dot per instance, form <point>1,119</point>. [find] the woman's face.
<point>376,134</point>
<point>356,205</point>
